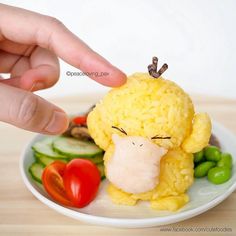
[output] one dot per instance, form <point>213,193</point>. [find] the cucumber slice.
<point>101,169</point>
<point>95,159</point>
<point>36,171</point>
<point>44,160</point>
<point>44,147</point>
<point>47,160</point>
<point>75,148</point>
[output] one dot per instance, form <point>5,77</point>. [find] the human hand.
<point>30,44</point>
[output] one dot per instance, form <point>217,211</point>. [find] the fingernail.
<point>32,88</point>
<point>37,86</point>
<point>57,122</point>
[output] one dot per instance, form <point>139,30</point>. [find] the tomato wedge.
<point>80,120</point>
<point>81,181</point>
<point>52,179</point>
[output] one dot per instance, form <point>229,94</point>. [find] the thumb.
<point>31,112</point>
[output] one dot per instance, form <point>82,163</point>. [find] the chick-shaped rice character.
<point>149,130</point>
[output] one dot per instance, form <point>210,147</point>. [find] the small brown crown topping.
<point>152,69</point>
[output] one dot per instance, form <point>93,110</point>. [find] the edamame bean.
<point>202,169</point>
<point>219,175</point>
<point>212,153</point>
<point>225,161</point>
<point>198,156</point>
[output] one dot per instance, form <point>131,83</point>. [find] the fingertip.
<point>112,78</point>
<point>58,123</point>
<point>119,78</point>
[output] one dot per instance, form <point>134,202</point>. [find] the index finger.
<point>26,27</point>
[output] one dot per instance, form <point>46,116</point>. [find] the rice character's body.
<point>158,123</point>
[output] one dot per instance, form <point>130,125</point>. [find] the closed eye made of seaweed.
<point>160,137</point>
<point>120,129</point>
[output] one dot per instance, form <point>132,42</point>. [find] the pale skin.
<point>30,45</point>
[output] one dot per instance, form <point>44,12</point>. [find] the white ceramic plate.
<point>203,196</point>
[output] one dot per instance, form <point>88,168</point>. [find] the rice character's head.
<point>157,109</point>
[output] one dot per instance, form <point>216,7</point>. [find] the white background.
<point>196,38</point>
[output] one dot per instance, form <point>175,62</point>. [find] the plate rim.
<point>123,222</point>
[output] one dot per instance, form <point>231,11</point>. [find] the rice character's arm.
<point>200,135</point>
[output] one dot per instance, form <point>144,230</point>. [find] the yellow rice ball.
<point>146,106</point>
